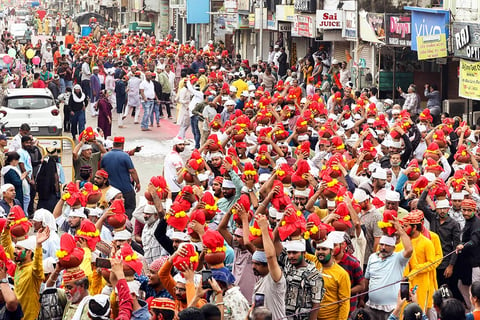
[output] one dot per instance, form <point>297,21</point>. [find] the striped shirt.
<point>354,270</point>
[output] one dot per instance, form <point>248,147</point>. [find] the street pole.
<point>261,29</point>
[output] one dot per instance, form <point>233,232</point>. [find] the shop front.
<point>466,46</point>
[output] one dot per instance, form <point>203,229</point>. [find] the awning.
<point>84,18</point>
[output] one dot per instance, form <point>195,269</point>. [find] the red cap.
<point>119,139</point>
<point>102,173</point>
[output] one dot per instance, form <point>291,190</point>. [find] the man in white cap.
<point>272,282</point>
<point>392,202</point>
<point>455,211</point>
<point>369,219</point>
<point>348,262</point>
<point>43,218</point>
<point>336,282</point>
<point>385,267</point>
<point>83,155</point>
<point>8,199</point>
<point>300,198</point>
<point>242,261</point>
<point>29,276</point>
<point>151,246</point>
<point>172,166</point>
<point>304,282</point>
<point>376,184</point>
<point>74,220</point>
<point>229,107</point>
<point>112,194</point>
<point>231,188</point>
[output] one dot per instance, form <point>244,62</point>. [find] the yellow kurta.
<point>438,255</point>
<point>423,255</point>
<point>28,278</point>
<point>46,26</point>
<point>336,282</point>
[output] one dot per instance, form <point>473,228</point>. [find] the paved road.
<point>156,145</point>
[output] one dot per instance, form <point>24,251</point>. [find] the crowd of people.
<point>298,198</point>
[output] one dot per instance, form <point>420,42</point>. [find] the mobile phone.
<point>103,263</point>
<point>405,291</point>
<point>259,300</point>
<point>138,148</point>
<point>206,275</point>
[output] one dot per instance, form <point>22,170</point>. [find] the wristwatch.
<point>4,280</point>
<point>250,190</point>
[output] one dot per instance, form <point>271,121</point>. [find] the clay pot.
<point>18,232</point>
<point>287,180</point>
<point>258,243</point>
<point>265,121</point>
<point>117,221</point>
<point>215,258</point>
<point>301,184</point>
<point>327,134</point>
<point>302,129</point>
<point>213,147</point>
<point>188,177</point>
<point>209,215</point>
<point>441,194</point>
<point>441,143</point>
<point>94,198</point>
<point>73,262</point>
<point>280,135</point>
<point>433,155</point>
<point>194,235</point>
<point>463,159</point>
<point>335,173</point>
<point>413,176</point>
<point>239,137</point>
<point>149,197</point>
<point>340,225</point>
<point>201,167</point>
<point>319,236</point>
<point>296,234</point>
<point>395,135</point>
<point>368,156</point>
<point>238,221</point>
<point>327,193</point>
<point>263,162</point>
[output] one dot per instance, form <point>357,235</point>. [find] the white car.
<point>18,31</point>
<point>36,107</point>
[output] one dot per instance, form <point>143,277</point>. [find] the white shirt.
<point>86,73</point>
<point>276,56</point>
<point>197,97</point>
<point>148,89</point>
<point>172,162</point>
<point>271,55</point>
<point>16,143</point>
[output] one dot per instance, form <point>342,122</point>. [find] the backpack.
<point>52,305</point>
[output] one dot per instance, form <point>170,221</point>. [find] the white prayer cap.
<point>337,236</point>
<point>294,245</point>
<point>389,241</point>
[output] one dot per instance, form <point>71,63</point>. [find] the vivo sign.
<point>428,22</point>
